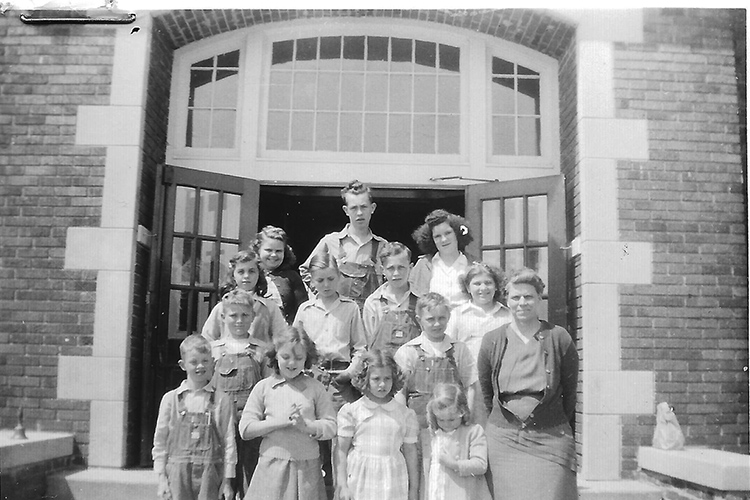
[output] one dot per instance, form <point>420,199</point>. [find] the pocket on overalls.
<point>353,279</point>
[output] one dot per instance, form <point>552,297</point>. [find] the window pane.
<point>302,131</point>
<point>538,262</point>
<point>399,134</point>
<point>376,92</point>
<point>492,257</point>
<point>330,52</point>
<point>205,63</point>
<point>351,132</point>
<point>526,71</point>
<point>307,49</point>
<point>230,217</point>
<point>184,210</point>
<point>503,96</point>
<point>354,52</point>
<point>503,135</point>
<point>181,251</point>
<point>513,221</point>
<point>513,260</point>
<point>425,54</point>
<point>282,52</point>
<point>450,58</point>
<point>229,60</point>
<point>203,309</point>
<point>449,94</point>
<point>325,132</point>
<point>278,130</point>
<point>537,208</point>
<point>303,95</point>
<point>375,131</point>
<point>424,134</point>
<point>400,50</point>
<point>205,273</point>
<point>528,97</point>
<point>491,222</point>
<point>222,128</point>
<point>377,53</point>
<point>352,87</point>
<point>208,213</point>
<point>178,311</point>
<point>501,66</point>
<point>449,134</point>
<point>226,252</point>
<point>400,92</point>
<point>200,88</point>
<point>280,93</point>
<point>328,91</point>
<point>529,131</point>
<point>425,88</point>
<point>198,125</point>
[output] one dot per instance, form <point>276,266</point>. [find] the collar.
<point>277,380</point>
<point>183,387</point>
<point>383,293</point>
<point>318,304</point>
<point>371,405</point>
<point>344,233</point>
<point>461,262</point>
<point>470,306</point>
<point>444,344</point>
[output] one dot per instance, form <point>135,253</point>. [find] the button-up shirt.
<point>406,357</point>
<point>377,304</point>
<point>469,323</point>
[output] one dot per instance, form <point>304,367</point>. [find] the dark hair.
<point>355,187</point>
<point>445,396</point>
<point>526,276</point>
<point>378,359</point>
<point>479,268</point>
<point>393,249</point>
<point>275,233</point>
<point>249,255</point>
<point>423,234</point>
<point>292,335</point>
<point>431,300</point>
<point>195,342</point>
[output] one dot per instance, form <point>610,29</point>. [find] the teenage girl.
<point>458,449</point>
<point>245,273</point>
<point>377,437</point>
<point>291,411</point>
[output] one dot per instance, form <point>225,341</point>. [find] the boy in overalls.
<point>430,359</point>
<point>355,247</point>
<point>389,314</point>
<point>194,443</point>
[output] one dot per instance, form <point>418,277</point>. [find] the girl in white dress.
<point>377,437</point>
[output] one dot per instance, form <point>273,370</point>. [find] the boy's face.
<point>433,322</point>
<point>396,269</point>
<point>199,367</point>
<point>359,209</point>
<point>325,282</point>
<point>237,319</point>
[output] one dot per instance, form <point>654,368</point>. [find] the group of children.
<point>362,398</point>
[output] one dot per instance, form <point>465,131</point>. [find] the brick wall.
<point>690,326</point>
<point>49,184</point>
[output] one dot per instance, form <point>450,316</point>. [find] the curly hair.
<point>479,268</point>
<point>275,233</point>
<point>292,335</point>
<point>423,234</point>
<point>378,359</point>
<point>355,187</point>
<point>526,276</point>
<point>447,396</point>
<point>249,255</point>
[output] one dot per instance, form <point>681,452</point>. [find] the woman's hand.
<point>162,488</point>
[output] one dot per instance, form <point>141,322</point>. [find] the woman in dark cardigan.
<point>528,371</point>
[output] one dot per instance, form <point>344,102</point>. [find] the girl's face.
<point>325,282</point>
<point>448,418</point>
<point>291,358</point>
<point>433,322</point>
<point>246,275</point>
<point>379,384</point>
<point>445,238</point>
<point>523,302</point>
<point>482,289</point>
<point>271,253</point>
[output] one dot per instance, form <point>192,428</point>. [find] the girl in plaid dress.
<point>377,437</point>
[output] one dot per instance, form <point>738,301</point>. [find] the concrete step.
<point>618,490</point>
<point>103,484</point>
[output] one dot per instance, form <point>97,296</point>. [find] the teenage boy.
<point>389,313</point>
<point>354,248</point>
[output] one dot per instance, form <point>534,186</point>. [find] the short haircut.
<point>479,268</point>
<point>423,234</point>
<point>393,249</point>
<point>378,359</point>
<point>194,342</point>
<point>447,396</point>
<point>526,276</point>
<point>275,233</point>
<point>355,187</point>
<point>322,261</point>
<point>429,301</point>
<point>292,335</point>
<point>243,256</point>
<point>238,296</point>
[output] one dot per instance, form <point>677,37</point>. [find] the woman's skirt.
<point>529,464</point>
<point>282,479</point>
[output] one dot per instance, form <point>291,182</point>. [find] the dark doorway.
<point>307,213</point>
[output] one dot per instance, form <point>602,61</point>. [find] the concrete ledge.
<point>618,490</point>
<point>720,470</point>
<point>39,447</point>
<point>101,483</point>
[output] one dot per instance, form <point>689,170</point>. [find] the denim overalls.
<point>195,463</point>
<point>428,372</point>
<point>397,327</point>
<point>358,281</point>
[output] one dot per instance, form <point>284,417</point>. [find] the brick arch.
<point>536,29</point>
